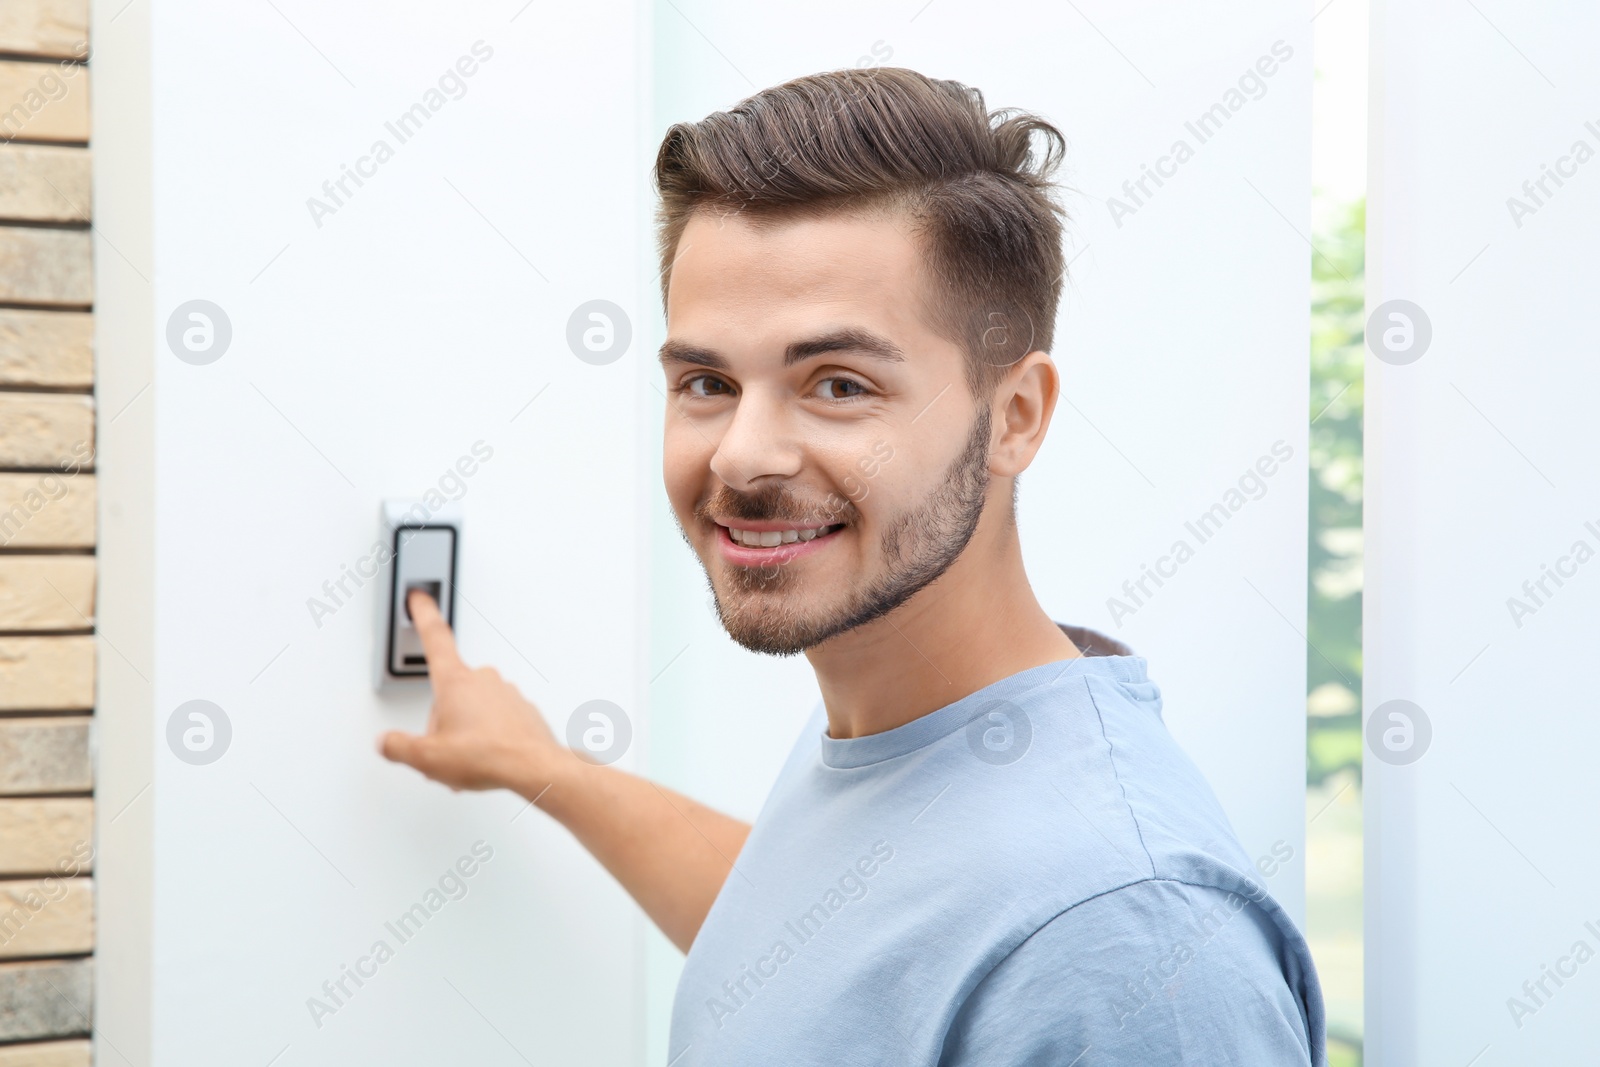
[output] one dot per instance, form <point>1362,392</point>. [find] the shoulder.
<point>1158,970</point>
<point>1179,822</point>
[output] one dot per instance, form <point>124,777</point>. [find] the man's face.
<point>823,454</point>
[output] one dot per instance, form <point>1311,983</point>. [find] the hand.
<point>482,733</point>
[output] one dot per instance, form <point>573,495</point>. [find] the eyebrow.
<point>848,339</point>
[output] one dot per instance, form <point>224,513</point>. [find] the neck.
<point>977,624</point>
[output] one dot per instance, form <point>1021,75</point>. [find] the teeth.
<point>774,538</point>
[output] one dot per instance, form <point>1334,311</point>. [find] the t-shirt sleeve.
<point>1158,972</point>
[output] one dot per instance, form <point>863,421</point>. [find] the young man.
<point>985,848</point>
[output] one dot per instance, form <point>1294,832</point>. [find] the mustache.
<point>774,503</point>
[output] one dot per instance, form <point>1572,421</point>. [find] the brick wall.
<point>47,536</point>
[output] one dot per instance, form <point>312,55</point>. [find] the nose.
<point>758,444</point>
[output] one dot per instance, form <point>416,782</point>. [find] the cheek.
<point>685,463</point>
<point>895,479</point>
<point>856,486</point>
<point>869,474</point>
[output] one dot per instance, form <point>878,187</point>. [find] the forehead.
<point>734,270</point>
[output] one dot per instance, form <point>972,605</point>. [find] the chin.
<point>766,624</point>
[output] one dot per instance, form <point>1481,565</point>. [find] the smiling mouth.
<point>776,538</point>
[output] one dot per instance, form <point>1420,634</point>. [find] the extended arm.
<point>669,852</point>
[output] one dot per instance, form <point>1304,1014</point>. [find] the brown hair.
<point>890,139</point>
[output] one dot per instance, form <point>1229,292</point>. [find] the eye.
<point>839,389</point>
<point>704,385</point>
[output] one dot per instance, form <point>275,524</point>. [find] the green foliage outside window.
<point>1333,656</point>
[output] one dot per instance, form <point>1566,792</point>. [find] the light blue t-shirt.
<point>1034,874</point>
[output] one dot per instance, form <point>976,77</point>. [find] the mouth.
<point>767,543</point>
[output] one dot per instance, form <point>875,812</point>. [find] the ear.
<point>1023,404</point>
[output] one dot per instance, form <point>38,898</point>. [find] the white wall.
<point>368,354</point>
<point>1480,473</point>
<point>1183,339</point>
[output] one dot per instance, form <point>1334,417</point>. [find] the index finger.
<point>438,642</point>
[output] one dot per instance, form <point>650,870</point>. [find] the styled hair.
<point>891,140</point>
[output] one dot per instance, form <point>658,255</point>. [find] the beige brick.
<point>45,755</point>
<point>44,101</point>
<point>42,266</point>
<point>46,673</point>
<point>46,592</point>
<point>44,183</point>
<point>45,998</point>
<point>49,510</point>
<point>47,1054</point>
<point>53,348</point>
<point>46,917</point>
<point>46,835</point>
<point>44,429</point>
<point>58,28</point>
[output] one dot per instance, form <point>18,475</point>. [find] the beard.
<point>916,547</point>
